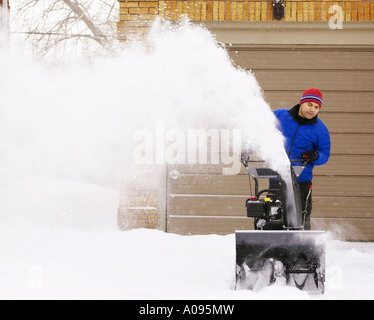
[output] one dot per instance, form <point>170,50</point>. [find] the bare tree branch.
<point>52,26</point>
<point>98,35</point>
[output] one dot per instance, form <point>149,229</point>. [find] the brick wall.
<point>136,16</point>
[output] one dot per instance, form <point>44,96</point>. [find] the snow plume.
<point>83,123</point>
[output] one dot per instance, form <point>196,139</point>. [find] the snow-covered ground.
<point>78,253</point>
<point>65,141</point>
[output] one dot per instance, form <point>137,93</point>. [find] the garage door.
<point>343,190</point>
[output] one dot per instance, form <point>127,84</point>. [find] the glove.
<point>309,155</point>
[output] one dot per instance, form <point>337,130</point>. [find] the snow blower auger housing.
<point>278,250</point>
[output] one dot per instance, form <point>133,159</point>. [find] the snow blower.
<point>278,250</point>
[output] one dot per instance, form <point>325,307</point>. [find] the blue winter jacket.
<point>302,135</point>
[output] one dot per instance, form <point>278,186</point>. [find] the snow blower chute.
<point>278,250</point>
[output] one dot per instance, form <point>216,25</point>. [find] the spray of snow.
<point>78,123</point>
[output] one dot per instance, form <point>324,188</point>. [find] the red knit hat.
<point>312,95</point>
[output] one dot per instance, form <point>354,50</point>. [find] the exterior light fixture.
<point>278,9</point>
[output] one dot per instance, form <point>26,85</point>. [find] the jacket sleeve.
<point>323,146</point>
<point>277,113</point>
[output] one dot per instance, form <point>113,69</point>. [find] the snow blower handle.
<point>306,161</point>
<point>245,158</point>
<point>300,169</point>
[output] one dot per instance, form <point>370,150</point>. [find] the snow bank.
<point>70,248</point>
<point>53,263</point>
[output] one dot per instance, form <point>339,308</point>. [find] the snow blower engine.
<point>278,250</point>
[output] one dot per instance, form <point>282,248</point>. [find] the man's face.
<point>309,110</point>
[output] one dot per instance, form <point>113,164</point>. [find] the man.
<point>306,138</point>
